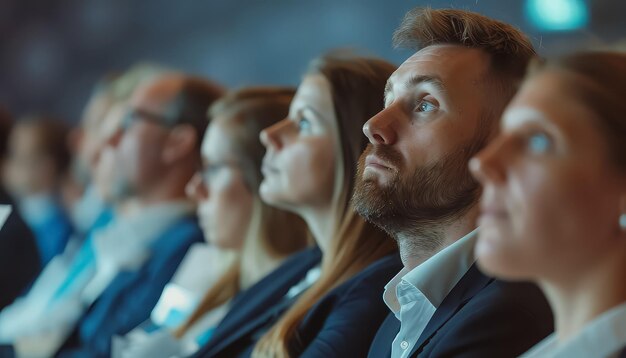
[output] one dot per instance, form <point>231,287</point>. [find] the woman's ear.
<point>181,142</point>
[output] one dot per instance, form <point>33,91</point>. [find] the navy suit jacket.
<point>338,324</point>
<point>480,317</point>
<point>263,297</point>
<point>19,256</point>
<point>131,296</point>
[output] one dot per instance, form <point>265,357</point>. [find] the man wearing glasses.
<point>152,152</point>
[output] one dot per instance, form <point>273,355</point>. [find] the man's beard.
<point>415,210</point>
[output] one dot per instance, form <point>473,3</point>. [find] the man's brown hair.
<point>510,50</point>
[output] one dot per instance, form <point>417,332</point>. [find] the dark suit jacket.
<point>19,256</point>
<point>339,323</point>
<point>480,317</point>
<point>258,300</point>
<point>130,298</point>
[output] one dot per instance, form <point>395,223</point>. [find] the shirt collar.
<point>602,337</point>
<point>438,275</point>
<point>136,232</point>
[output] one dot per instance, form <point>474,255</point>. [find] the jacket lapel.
<point>470,284</point>
<point>260,302</point>
<point>387,332</point>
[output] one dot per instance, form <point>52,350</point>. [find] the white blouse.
<point>603,337</point>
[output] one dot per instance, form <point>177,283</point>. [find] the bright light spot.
<point>557,15</point>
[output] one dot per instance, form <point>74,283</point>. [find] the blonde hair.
<point>248,111</point>
<point>357,86</point>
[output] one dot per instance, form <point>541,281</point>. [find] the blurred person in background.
<point>441,107</point>
<point>30,315</point>
<point>86,142</point>
<point>109,96</point>
<point>554,200</point>
<point>311,305</point>
<point>19,256</point>
<point>231,213</point>
<point>153,153</point>
<point>36,168</point>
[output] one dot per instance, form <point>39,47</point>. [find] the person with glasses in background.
<point>232,216</point>
<point>118,274</point>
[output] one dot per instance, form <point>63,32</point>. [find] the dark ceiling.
<point>53,51</point>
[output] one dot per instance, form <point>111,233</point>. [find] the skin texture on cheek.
<point>309,169</point>
<point>303,161</point>
<point>560,199</point>
<point>229,211</point>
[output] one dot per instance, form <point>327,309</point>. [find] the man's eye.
<point>425,106</point>
<point>539,143</point>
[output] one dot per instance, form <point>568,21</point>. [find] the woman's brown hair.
<point>357,86</point>
<point>246,112</point>
<point>599,82</point>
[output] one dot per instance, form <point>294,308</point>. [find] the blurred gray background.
<point>53,51</point>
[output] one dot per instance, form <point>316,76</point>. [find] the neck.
<point>581,294</point>
<point>256,260</point>
<point>170,187</point>
<point>322,224</point>
<point>255,267</point>
<point>135,205</point>
<point>417,245</point>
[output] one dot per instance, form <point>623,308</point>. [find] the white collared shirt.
<point>125,243</point>
<point>420,291</point>
<point>603,337</point>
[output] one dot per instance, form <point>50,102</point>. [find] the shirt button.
<point>404,344</point>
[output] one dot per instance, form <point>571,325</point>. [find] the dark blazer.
<point>480,317</point>
<point>131,296</point>
<point>19,256</point>
<point>381,345</point>
<point>262,297</point>
<point>339,323</point>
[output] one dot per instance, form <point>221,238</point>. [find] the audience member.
<point>29,319</point>
<point>231,213</point>
<point>156,153</point>
<point>35,170</point>
<point>554,200</point>
<point>19,257</point>
<point>309,307</point>
<point>441,107</point>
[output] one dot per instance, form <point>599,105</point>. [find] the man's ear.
<point>180,143</point>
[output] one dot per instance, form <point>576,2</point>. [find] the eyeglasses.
<point>209,171</point>
<point>135,114</point>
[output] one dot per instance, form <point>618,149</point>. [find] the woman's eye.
<point>211,169</point>
<point>304,125</point>
<point>425,106</point>
<point>539,143</point>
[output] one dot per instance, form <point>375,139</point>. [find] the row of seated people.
<point>469,203</point>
